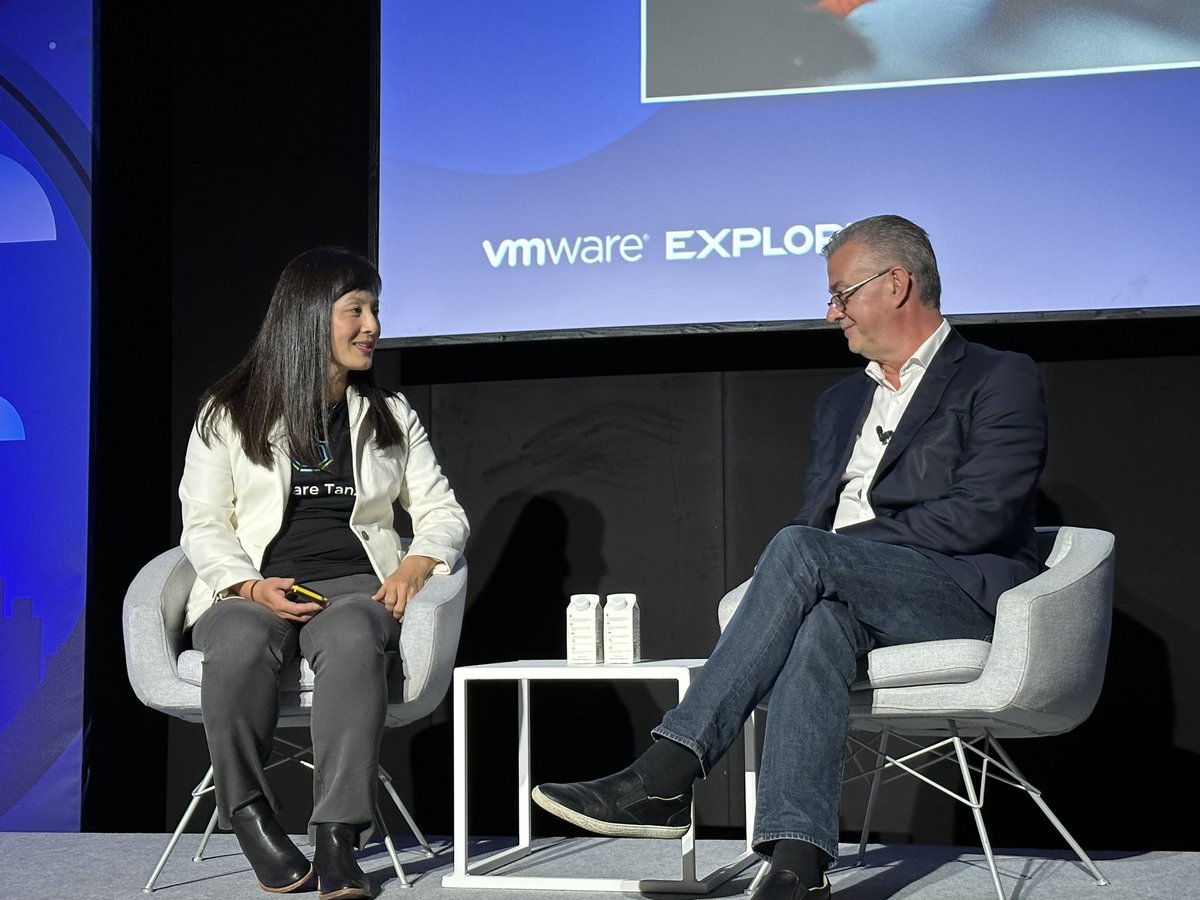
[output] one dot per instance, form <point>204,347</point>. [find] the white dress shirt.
<point>887,407</point>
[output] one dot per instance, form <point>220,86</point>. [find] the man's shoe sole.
<point>609,829</point>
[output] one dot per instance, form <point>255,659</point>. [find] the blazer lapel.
<point>845,431</point>
<point>925,401</point>
<point>851,423</point>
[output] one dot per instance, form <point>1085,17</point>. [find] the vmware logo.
<point>589,250</point>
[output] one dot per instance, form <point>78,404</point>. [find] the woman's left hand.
<point>410,576</point>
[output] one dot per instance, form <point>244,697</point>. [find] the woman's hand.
<point>272,593</point>
<point>410,576</point>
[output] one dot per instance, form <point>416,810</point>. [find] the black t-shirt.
<point>316,540</point>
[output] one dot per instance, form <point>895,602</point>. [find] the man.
<point>918,513</point>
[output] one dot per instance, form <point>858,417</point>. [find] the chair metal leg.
<point>976,804</point>
<point>296,754</point>
<point>204,787</point>
<point>386,779</point>
<point>1036,795</point>
<point>391,848</point>
<point>420,836</point>
<point>763,869</point>
<point>992,763</point>
<point>212,824</point>
<point>880,754</point>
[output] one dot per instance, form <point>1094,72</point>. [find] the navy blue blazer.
<point>958,481</point>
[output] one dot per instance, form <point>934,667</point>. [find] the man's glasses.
<point>839,299</point>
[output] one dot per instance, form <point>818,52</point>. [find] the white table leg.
<point>460,775</point>
<point>524,787</point>
<point>751,751</point>
<point>689,840</point>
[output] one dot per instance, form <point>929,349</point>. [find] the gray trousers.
<point>347,644</point>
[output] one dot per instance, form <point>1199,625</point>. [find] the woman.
<point>291,472</point>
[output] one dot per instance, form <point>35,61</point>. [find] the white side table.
<point>484,872</point>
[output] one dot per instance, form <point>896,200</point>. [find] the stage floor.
<point>90,866</point>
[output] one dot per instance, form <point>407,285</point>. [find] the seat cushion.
<point>930,662</point>
<point>296,678</point>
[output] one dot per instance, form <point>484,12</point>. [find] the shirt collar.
<point>921,358</point>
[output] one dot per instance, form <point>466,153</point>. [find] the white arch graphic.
<point>11,426</point>
<point>27,214</point>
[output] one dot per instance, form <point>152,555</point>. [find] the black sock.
<point>667,768</point>
<point>807,861</point>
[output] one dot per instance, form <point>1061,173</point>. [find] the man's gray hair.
<point>893,240</point>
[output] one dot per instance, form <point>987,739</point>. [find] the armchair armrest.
<point>729,603</point>
<point>152,623</point>
<point>429,641</point>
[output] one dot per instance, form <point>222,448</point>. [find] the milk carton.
<point>585,634</point>
<point>622,629</point>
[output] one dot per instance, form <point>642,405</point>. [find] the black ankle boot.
<point>338,870</point>
<point>278,865</point>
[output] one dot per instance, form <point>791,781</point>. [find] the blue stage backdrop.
<point>45,348</point>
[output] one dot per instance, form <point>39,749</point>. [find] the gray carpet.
<point>88,866</point>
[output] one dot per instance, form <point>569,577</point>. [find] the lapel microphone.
<point>884,436</point>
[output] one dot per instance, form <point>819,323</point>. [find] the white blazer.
<point>233,508</point>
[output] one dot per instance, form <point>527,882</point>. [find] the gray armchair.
<point>954,700</point>
<point>165,673</point>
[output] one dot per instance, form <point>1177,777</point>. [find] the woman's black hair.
<point>284,378</point>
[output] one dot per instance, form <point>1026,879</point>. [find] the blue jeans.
<point>818,602</point>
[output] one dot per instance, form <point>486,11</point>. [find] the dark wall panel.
<point>1120,460</point>
<point>767,418</point>
<point>131,396</point>
<point>270,136</point>
<point>630,467</point>
<point>583,485</point>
